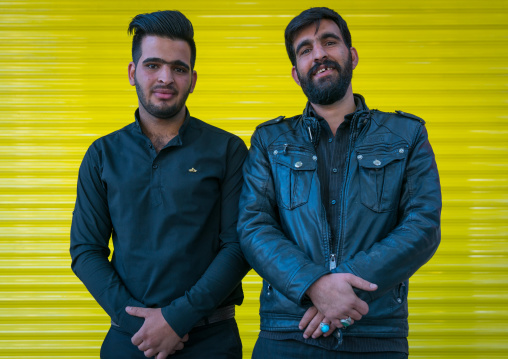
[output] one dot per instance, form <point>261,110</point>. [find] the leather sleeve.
<point>274,257</point>
<point>417,235</point>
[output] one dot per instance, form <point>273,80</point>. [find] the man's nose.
<point>319,52</point>
<point>165,75</point>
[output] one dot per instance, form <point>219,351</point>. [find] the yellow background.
<point>63,83</point>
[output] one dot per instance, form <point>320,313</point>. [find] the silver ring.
<point>346,322</point>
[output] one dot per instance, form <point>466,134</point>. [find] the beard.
<point>161,111</point>
<point>329,89</point>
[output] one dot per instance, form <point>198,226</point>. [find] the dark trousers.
<point>217,340</point>
<point>293,349</point>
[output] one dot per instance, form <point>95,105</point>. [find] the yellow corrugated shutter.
<point>63,83</point>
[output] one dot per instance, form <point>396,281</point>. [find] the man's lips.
<point>323,71</point>
<point>164,94</point>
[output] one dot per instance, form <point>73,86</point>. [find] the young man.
<point>166,187</point>
<point>340,206</point>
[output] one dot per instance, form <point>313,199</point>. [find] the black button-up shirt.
<point>172,216</point>
<point>332,154</point>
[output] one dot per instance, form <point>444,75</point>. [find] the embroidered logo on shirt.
<point>193,170</point>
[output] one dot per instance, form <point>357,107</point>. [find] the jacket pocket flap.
<point>296,162</point>
<point>375,161</point>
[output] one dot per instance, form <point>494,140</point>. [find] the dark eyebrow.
<point>330,34</point>
<point>161,61</point>
<point>302,44</point>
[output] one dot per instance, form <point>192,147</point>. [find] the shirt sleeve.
<point>90,233</point>
<point>228,267</point>
<point>274,257</point>
<point>412,243</point>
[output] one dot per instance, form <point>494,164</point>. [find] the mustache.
<point>328,63</point>
<point>162,87</point>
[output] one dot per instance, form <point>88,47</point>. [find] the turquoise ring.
<point>324,327</point>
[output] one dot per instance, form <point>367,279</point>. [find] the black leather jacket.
<point>390,224</point>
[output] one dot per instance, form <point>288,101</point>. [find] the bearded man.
<point>166,188</point>
<point>339,207</point>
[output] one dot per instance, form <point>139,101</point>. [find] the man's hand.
<point>334,297</point>
<point>156,338</point>
<point>311,323</point>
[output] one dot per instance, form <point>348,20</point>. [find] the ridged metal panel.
<point>63,83</point>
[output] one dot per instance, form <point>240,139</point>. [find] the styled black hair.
<point>309,17</point>
<point>171,24</point>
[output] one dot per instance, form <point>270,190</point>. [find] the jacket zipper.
<point>338,250</point>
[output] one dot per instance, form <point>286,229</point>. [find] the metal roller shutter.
<point>63,83</point>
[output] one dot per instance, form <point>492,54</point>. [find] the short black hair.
<point>171,24</point>
<point>313,16</point>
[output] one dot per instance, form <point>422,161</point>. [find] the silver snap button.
<point>275,152</point>
<point>399,300</point>
<point>401,150</point>
<point>314,158</point>
<point>377,162</point>
<point>360,157</point>
<point>298,164</point>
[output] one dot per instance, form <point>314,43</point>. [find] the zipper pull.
<point>285,148</point>
<point>333,263</point>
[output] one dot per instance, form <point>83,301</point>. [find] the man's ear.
<point>131,69</point>
<point>294,73</point>
<point>193,81</point>
<point>354,57</point>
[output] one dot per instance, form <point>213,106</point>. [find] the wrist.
<point>315,287</point>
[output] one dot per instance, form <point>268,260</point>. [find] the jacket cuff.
<point>181,316</point>
<point>302,280</point>
<point>129,323</point>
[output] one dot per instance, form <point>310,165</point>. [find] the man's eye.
<point>305,51</point>
<point>330,43</point>
<point>180,69</point>
<point>152,66</point>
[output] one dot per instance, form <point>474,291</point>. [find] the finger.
<point>330,331</point>
<point>354,314</point>
<point>163,355</point>
<point>137,311</point>
<point>318,332</point>
<point>143,347</point>
<point>307,317</point>
<point>313,325</point>
<point>360,283</point>
<point>150,353</point>
<point>361,307</point>
<point>137,338</point>
<point>179,346</point>
<point>185,338</point>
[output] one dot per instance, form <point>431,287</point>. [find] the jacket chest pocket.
<point>381,172</point>
<point>293,172</point>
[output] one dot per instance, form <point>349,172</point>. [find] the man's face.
<point>163,76</point>
<point>324,64</point>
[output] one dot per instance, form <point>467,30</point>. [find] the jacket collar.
<point>310,119</point>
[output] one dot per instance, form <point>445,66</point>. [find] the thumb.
<point>360,283</point>
<point>137,311</point>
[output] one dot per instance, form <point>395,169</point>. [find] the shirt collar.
<point>177,140</point>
